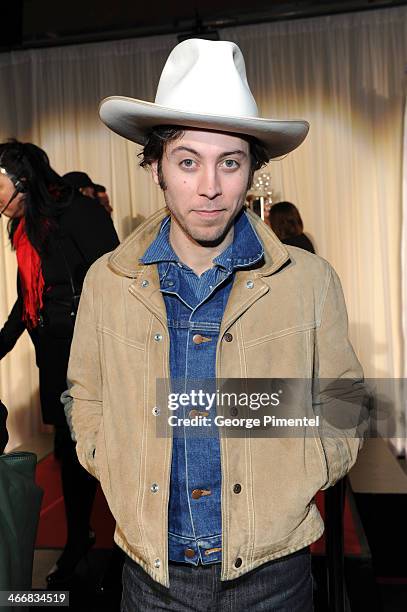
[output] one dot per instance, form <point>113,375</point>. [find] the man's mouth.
<point>208,214</point>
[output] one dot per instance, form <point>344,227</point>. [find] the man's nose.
<point>209,184</point>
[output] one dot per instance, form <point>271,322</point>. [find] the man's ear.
<point>154,171</point>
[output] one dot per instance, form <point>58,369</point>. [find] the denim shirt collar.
<point>245,250</point>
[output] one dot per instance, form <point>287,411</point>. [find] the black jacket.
<point>85,232</point>
<point>3,428</point>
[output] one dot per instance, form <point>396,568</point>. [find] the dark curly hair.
<point>159,136</point>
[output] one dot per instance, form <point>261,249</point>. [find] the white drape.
<point>343,73</point>
<point>401,445</point>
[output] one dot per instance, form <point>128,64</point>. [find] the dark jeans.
<point>284,585</point>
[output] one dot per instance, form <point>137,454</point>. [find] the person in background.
<point>285,221</point>
<point>83,182</point>
<point>103,197</point>
<point>57,234</point>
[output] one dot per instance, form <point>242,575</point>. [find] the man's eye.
<point>230,163</point>
<point>187,163</point>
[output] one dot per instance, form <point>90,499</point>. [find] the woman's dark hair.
<point>45,192</point>
<point>159,136</point>
<point>285,220</point>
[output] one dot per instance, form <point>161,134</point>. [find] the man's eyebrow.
<point>221,156</point>
<point>183,148</point>
<point>235,152</point>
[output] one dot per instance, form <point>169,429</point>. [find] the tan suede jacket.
<point>286,318</point>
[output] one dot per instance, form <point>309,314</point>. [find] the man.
<point>103,197</point>
<point>83,182</point>
<point>204,291</point>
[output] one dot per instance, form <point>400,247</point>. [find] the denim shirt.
<point>195,307</point>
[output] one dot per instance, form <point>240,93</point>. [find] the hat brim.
<point>133,119</point>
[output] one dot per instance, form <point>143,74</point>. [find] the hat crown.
<point>202,76</point>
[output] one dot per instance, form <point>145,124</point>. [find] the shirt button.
<point>237,488</point>
<point>189,552</point>
<point>250,284</point>
<point>228,337</point>
<point>197,413</point>
<point>170,283</point>
<point>154,488</point>
<point>157,563</point>
<point>145,283</point>
<point>197,339</point>
<point>196,494</point>
<point>156,411</point>
<point>158,337</point>
<point>238,562</point>
<point>234,411</point>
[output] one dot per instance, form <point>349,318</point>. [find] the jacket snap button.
<point>189,552</point>
<point>156,411</point>
<point>250,284</point>
<point>237,488</point>
<point>234,411</point>
<point>158,337</point>
<point>197,339</point>
<point>238,562</point>
<point>145,283</point>
<point>196,494</point>
<point>228,337</point>
<point>154,487</point>
<point>157,563</point>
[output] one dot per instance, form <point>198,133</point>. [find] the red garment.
<point>29,269</point>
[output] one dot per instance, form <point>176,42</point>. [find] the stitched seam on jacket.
<point>286,332</point>
<point>168,452</point>
<point>109,332</point>
<point>142,473</point>
<point>249,471</point>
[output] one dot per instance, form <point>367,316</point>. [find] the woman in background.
<point>57,234</point>
<point>285,221</point>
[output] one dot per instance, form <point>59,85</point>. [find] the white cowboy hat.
<point>203,85</point>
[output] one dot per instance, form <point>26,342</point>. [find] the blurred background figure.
<point>103,197</point>
<point>285,221</point>
<point>57,234</point>
<point>83,182</point>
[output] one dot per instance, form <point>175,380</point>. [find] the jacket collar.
<point>126,259</point>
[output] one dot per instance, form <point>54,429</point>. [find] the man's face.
<point>206,175</point>
<point>7,189</point>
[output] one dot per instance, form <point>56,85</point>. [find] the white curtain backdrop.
<point>402,444</point>
<point>343,73</point>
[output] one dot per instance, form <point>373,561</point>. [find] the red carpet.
<point>354,539</point>
<point>52,530</point>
